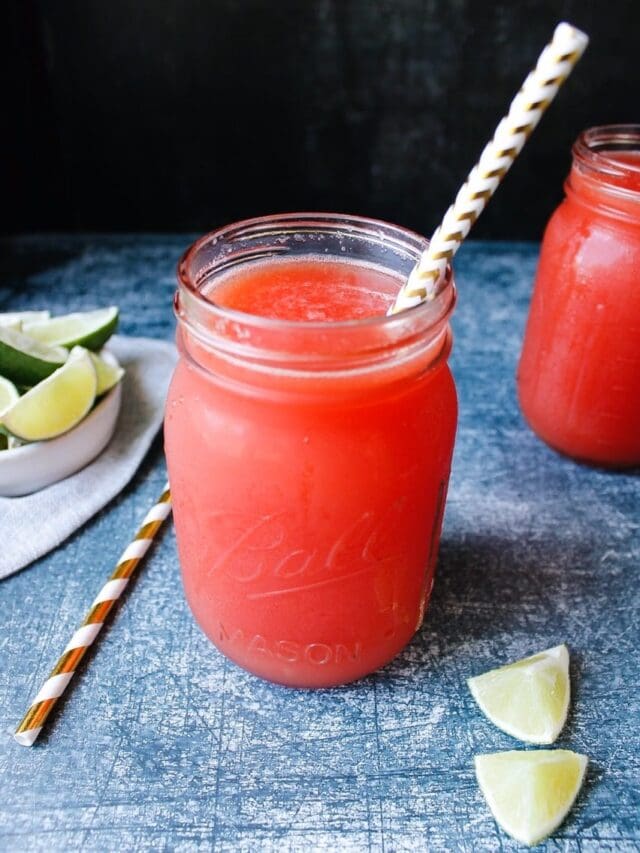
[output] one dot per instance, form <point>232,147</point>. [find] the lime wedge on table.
<point>25,361</point>
<point>56,404</point>
<point>90,329</point>
<point>8,394</point>
<point>528,699</point>
<point>108,374</point>
<point>530,792</point>
<point>16,318</point>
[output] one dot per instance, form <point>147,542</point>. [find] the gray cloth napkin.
<point>31,526</point>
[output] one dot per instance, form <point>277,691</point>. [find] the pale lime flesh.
<point>8,395</point>
<point>108,372</point>
<point>56,404</point>
<point>530,792</point>
<point>528,699</point>
<point>90,329</point>
<point>16,318</point>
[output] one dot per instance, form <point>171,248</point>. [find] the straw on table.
<point>554,65</point>
<point>62,673</point>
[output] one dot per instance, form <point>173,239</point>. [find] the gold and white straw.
<point>62,673</point>
<point>541,86</point>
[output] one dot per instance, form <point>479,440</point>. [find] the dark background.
<point>185,114</point>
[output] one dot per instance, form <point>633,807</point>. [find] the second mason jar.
<point>579,373</point>
<point>309,440</point>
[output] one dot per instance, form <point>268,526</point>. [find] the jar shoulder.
<point>573,219</point>
<point>587,246</point>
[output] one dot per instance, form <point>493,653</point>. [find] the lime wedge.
<point>8,394</point>
<point>16,318</point>
<point>25,361</point>
<point>528,699</point>
<point>109,373</point>
<point>90,329</point>
<point>56,404</point>
<point>530,793</point>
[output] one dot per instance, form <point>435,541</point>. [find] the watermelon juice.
<point>309,441</point>
<point>579,372</point>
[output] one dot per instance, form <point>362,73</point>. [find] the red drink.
<point>579,374</point>
<point>311,290</point>
<point>309,442</point>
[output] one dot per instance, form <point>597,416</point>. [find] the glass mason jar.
<point>579,373</point>
<point>308,461</point>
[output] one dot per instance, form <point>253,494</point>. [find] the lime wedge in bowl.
<point>25,361</point>
<point>35,465</point>
<point>528,699</point>
<point>57,404</point>
<point>530,792</point>
<point>16,318</point>
<point>108,371</point>
<point>89,329</point>
<point>8,395</point>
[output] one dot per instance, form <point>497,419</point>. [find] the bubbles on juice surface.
<point>309,289</point>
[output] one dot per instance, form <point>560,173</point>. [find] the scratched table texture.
<point>161,744</point>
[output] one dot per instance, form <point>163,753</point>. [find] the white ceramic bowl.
<point>31,467</point>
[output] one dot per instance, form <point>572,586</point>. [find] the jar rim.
<point>594,151</point>
<point>190,285</point>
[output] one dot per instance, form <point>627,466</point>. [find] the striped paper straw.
<point>541,86</point>
<point>62,673</point>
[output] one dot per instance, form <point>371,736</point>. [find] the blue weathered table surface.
<point>163,745</point>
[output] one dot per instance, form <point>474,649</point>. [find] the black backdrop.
<point>186,114</point>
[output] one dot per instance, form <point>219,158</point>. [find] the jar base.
<point>591,461</point>
<point>315,666</point>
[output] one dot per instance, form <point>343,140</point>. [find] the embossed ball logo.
<point>261,552</point>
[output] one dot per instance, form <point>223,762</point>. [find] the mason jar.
<point>308,459</point>
<point>579,372</point>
